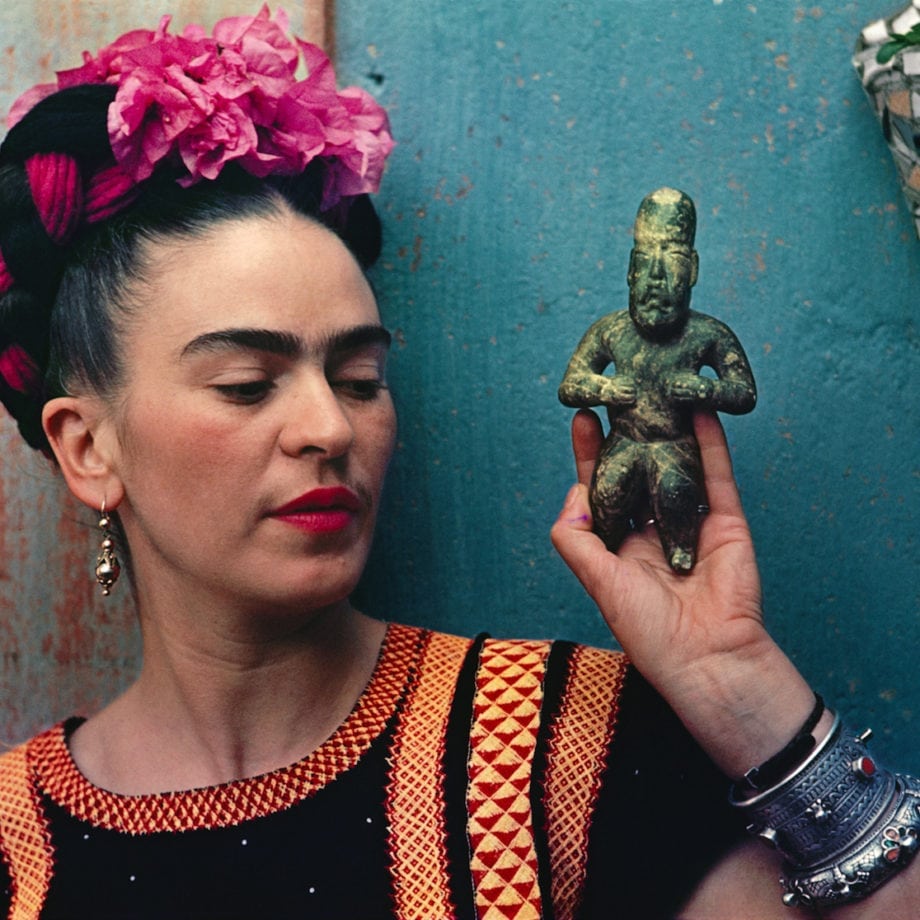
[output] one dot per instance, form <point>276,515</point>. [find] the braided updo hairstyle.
<point>72,225</point>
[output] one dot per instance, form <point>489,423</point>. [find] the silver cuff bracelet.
<point>844,824</point>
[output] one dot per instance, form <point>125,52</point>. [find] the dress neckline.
<point>227,804</point>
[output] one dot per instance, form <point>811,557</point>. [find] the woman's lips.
<point>323,510</point>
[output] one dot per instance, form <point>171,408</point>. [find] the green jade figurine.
<point>650,457</point>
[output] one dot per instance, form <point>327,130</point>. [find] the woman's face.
<point>255,426</point>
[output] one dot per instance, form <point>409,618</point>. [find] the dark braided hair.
<point>72,229</point>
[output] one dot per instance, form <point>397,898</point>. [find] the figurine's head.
<point>663,264</point>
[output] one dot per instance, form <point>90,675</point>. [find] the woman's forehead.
<point>287,274</point>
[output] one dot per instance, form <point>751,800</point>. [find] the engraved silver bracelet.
<point>844,823</point>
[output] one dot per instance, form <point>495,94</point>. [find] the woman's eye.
<point>246,391</point>
<point>363,389</point>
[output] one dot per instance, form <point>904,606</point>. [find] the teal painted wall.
<point>529,131</point>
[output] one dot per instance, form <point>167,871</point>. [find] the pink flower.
<point>152,109</point>
<point>221,72</point>
<point>228,134</point>
<point>358,154</point>
<point>155,103</point>
<point>28,100</point>
<point>108,65</point>
<point>257,37</point>
<point>320,74</point>
<point>296,136</point>
<point>228,74</point>
<point>202,101</point>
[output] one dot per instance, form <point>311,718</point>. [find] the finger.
<point>606,576</point>
<point>587,438</point>
<point>721,489</point>
<point>574,540</point>
<point>576,512</point>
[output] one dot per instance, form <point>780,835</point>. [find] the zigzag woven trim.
<point>232,803</point>
<point>415,793</point>
<point>25,839</point>
<point>577,746</point>
<point>506,718</point>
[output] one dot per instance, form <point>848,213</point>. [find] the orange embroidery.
<point>415,794</point>
<point>578,742</point>
<point>506,717</point>
<point>24,835</point>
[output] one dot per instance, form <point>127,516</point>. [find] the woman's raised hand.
<point>698,638</point>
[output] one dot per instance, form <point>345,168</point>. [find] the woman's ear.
<point>82,436</point>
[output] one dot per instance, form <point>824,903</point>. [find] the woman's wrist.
<point>744,707</point>
<point>789,758</point>
<point>844,824</point>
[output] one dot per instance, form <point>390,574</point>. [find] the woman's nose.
<point>316,422</point>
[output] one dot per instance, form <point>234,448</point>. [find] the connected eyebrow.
<point>286,344</point>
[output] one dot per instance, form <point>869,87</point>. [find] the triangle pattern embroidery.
<point>506,718</point>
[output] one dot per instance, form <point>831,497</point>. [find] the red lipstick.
<point>324,510</point>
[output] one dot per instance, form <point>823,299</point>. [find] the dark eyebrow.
<point>358,337</point>
<point>286,344</point>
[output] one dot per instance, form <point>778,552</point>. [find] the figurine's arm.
<point>734,391</point>
<point>585,384</point>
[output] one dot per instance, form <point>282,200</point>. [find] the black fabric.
<point>663,817</point>
<point>267,867</point>
<point>6,891</point>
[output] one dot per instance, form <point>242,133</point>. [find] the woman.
<point>187,327</point>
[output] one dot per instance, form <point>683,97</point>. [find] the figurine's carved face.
<point>662,271</point>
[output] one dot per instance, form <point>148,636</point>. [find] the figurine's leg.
<point>677,493</point>
<point>615,489</point>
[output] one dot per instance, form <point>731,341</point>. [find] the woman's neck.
<point>229,706</point>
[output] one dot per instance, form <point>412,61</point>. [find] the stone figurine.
<point>649,465</point>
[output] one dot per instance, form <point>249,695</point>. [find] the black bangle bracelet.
<point>771,771</point>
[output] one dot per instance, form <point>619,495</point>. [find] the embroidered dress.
<point>480,778</point>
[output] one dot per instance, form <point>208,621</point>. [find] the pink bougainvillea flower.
<point>221,72</point>
<point>320,73</point>
<point>200,101</point>
<point>228,74</point>
<point>255,34</point>
<point>28,100</point>
<point>358,154</point>
<point>108,65</point>
<point>295,137</point>
<point>228,134</point>
<point>151,110</point>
